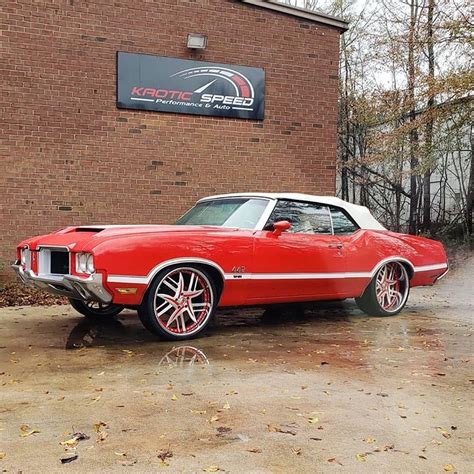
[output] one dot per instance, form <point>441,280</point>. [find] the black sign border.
<point>139,108</point>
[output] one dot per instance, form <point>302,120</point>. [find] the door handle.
<point>336,246</point>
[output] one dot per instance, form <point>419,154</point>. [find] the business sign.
<point>164,84</point>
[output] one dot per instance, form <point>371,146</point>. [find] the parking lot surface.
<point>320,390</point>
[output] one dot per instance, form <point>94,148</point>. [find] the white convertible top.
<point>361,215</point>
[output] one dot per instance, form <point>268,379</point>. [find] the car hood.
<point>72,236</point>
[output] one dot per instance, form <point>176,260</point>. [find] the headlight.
<point>90,264</point>
<point>25,256</point>
<point>85,263</point>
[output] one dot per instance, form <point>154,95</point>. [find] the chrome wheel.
<point>97,306</point>
<point>95,310</point>
<point>183,301</point>
<point>392,286</point>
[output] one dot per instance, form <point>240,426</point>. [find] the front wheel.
<point>94,310</point>
<point>388,291</point>
<point>180,303</point>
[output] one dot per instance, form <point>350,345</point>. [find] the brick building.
<point>70,156</point>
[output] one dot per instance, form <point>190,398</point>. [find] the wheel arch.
<point>214,270</point>
<point>409,267</point>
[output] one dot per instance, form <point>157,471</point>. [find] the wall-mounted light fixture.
<point>196,41</point>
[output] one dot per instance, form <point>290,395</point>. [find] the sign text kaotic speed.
<point>193,87</point>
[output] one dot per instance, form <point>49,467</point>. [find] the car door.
<point>304,263</point>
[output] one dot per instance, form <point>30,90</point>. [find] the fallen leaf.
<point>2,455</point>
<point>448,467</point>
<point>443,432</point>
<point>334,460</point>
<point>278,429</point>
<point>102,436</point>
<point>213,419</point>
<point>165,454</point>
<point>254,450</point>
<point>214,468</point>
<point>30,432</point>
<point>360,457</point>
<point>98,426</point>
<point>174,397</point>
<point>387,447</point>
<point>296,451</point>
<point>70,443</point>
<point>198,412</point>
<point>69,459</point>
<point>95,399</point>
<point>313,419</point>
<point>316,439</point>
<point>119,453</point>
<point>226,406</point>
<point>369,440</point>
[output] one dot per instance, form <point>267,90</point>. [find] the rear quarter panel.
<point>366,250</point>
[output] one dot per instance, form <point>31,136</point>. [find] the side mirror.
<point>280,227</point>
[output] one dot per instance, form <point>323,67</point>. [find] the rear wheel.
<point>180,303</point>
<point>94,310</point>
<point>388,291</point>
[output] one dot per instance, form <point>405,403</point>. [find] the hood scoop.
<point>89,229</point>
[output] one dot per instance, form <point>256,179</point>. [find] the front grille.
<point>53,261</point>
<point>59,262</point>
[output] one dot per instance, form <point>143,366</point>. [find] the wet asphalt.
<point>301,389</point>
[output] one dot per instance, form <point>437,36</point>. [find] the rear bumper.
<point>71,286</point>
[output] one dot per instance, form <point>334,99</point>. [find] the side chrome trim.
<point>442,275</point>
<point>295,276</point>
<point>427,268</point>
<point>145,280</point>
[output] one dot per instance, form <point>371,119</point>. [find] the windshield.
<point>243,213</point>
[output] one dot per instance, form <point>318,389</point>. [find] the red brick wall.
<point>69,156</point>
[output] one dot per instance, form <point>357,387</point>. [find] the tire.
<point>180,303</point>
<point>95,311</point>
<point>388,291</point>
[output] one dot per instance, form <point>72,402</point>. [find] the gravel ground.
<point>325,390</point>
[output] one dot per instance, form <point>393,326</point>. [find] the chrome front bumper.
<point>88,289</point>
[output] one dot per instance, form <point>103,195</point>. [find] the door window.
<point>341,222</point>
<point>304,217</point>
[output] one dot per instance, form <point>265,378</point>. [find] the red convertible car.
<point>232,250</point>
